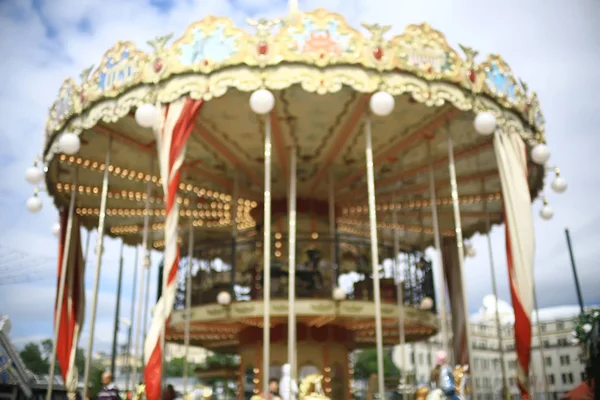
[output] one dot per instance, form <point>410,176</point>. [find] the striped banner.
<point>73,304</point>
<point>172,130</point>
<point>520,244</point>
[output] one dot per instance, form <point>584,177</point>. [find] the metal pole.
<point>99,251</point>
<point>131,316</point>
<point>61,284</point>
<point>234,230</point>
<point>505,393</point>
<point>188,306</point>
<point>331,200</point>
<point>541,343</point>
<point>292,274</point>
<point>267,260</point>
<point>577,287</point>
<point>113,355</point>
<point>438,253</point>
<point>145,265</point>
<point>399,295</point>
<point>461,260</point>
<point>374,257</point>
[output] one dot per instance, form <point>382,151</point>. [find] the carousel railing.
<point>323,263</point>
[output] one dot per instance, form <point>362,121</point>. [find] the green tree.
<point>366,364</point>
<point>175,367</point>
<point>33,359</point>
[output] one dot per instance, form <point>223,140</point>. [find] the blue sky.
<point>551,45</point>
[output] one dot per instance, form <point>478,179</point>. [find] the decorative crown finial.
<point>470,53</point>
<point>159,43</point>
<point>85,74</point>
<point>377,31</point>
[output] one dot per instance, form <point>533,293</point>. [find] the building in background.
<point>564,369</point>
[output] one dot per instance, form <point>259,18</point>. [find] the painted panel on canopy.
<point>425,51</point>
<point>500,82</point>
<point>120,68</point>
<point>320,37</point>
<point>67,104</point>
<point>208,45</point>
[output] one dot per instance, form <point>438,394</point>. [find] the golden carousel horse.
<point>311,388</point>
<point>459,374</point>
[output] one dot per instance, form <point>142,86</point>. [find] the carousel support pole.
<point>145,266</point>
<point>113,356</point>
<point>505,392</point>
<point>292,273</point>
<point>267,260</point>
<point>61,284</point>
<point>461,259</point>
<point>374,258</point>
<point>331,200</point>
<point>188,306</point>
<point>399,294</point>
<point>99,251</point>
<point>131,316</point>
<point>438,253</point>
<point>541,343</point>
<point>234,229</point>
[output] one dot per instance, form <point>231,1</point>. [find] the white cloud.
<point>551,45</point>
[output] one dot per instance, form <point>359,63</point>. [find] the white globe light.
<point>69,143</point>
<point>382,104</point>
<point>34,175</point>
<point>574,340</point>
<point>56,229</point>
<point>587,328</point>
<point>485,123</point>
<point>559,184</point>
<point>547,212</point>
<point>339,294</point>
<point>574,334</point>
<point>540,154</point>
<point>262,101</point>
<point>427,303</point>
<point>145,115</point>
<point>34,204</point>
<point>224,298</point>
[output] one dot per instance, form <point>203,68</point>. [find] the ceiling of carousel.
<point>227,144</point>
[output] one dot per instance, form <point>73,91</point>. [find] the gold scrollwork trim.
<point>317,50</point>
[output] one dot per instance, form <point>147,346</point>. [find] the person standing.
<point>109,390</point>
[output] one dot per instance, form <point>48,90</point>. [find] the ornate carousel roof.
<point>322,72</point>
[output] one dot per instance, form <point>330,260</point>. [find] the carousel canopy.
<point>323,73</point>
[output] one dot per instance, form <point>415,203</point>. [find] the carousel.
<point>294,172</point>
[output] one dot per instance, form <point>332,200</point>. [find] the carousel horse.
<point>311,388</point>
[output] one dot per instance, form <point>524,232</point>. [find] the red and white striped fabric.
<point>73,304</point>
<point>172,130</point>
<point>520,244</point>
<point>458,309</point>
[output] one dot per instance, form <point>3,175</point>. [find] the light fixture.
<point>485,123</point>
<point>69,143</point>
<point>56,229</point>
<point>34,175</point>
<point>546,212</point>
<point>382,103</point>
<point>559,184</point>
<point>262,101</point>
<point>338,294</point>
<point>427,303</point>
<point>224,298</point>
<point>540,154</point>
<point>145,115</point>
<point>587,328</point>
<point>34,203</point>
